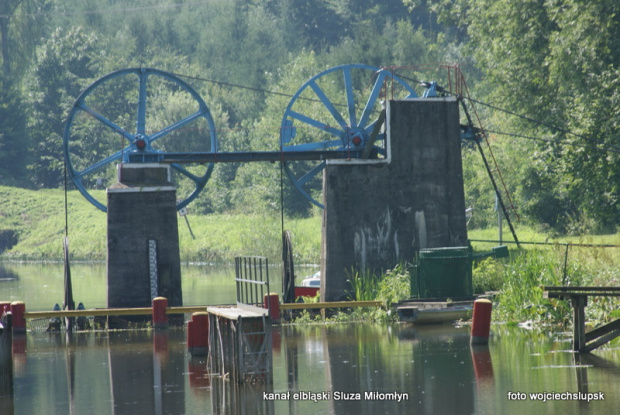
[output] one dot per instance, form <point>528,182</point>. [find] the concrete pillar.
<point>143,238</point>
<point>380,212</point>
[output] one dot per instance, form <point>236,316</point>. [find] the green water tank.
<point>442,273</point>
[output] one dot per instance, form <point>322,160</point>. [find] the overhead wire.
<point>550,126</point>
<point>251,88</point>
<point>546,140</point>
<point>529,119</point>
<point>442,90</point>
<point>612,149</point>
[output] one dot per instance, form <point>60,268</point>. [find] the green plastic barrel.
<point>442,273</point>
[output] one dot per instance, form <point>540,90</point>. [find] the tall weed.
<point>521,297</point>
<point>364,285</point>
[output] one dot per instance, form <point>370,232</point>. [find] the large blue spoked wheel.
<point>137,110</point>
<point>336,110</point>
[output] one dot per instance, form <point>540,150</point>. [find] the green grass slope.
<point>37,219</point>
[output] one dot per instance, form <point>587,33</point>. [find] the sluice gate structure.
<point>390,159</point>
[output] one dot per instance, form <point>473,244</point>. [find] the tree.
<point>557,62</point>
<point>13,139</point>
<point>22,23</point>
<point>67,63</point>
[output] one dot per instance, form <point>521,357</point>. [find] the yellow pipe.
<point>111,312</point>
<point>333,304</point>
<point>187,309</point>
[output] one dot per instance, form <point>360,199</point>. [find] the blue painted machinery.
<point>152,116</point>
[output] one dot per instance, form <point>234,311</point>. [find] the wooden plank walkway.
<point>233,313</point>
<point>585,342</point>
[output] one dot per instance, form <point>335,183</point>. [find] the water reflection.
<point>432,369</point>
<point>442,367</point>
<point>144,381</point>
<point>6,376</point>
<point>7,274</point>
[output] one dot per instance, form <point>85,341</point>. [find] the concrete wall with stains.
<point>379,213</point>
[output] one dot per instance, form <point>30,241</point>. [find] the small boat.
<point>310,286</point>
<point>434,312</point>
<point>313,281</point>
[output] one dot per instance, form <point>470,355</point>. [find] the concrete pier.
<point>380,212</point>
<point>143,239</point>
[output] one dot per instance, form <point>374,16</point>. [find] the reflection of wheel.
<point>137,111</point>
<point>339,108</point>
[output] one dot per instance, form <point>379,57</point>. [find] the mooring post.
<point>160,318</point>
<point>481,321</point>
<point>271,302</point>
<point>198,334</point>
<point>18,309</point>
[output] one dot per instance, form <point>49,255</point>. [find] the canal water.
<point>317,369</point>
<point>41,285</point>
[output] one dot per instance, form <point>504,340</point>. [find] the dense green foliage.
<point>520,282</point>
<point>555,62</point>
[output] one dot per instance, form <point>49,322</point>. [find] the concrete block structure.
<point>143,238</point>
<point>380,212</point>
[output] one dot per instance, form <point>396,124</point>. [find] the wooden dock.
<point>585,342</point>
<point>240,337</point>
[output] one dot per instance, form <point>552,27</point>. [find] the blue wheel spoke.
<point>311,174</point>
<point>319,145</point>
<point>175,126</point>
<point>372,99</point>
<point>100,164</point>
<point>141,119</point>
<point>315,123</point>
<point>187,173</point>
<point>328,104</point>
<point>289,173</point>
<point>105,121</point>
<point>348,84</point>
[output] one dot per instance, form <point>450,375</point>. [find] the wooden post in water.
<point>481,321</point>
<point>198,334</point>
<point>160,318</point>
<point>18,308</point>
<point>272,303</point>
<point>579,303</point>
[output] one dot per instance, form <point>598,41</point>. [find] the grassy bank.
<point>37,221</point>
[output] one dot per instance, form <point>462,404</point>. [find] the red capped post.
<point>481,321</point>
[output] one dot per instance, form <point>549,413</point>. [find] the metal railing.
<point>252,280</point>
